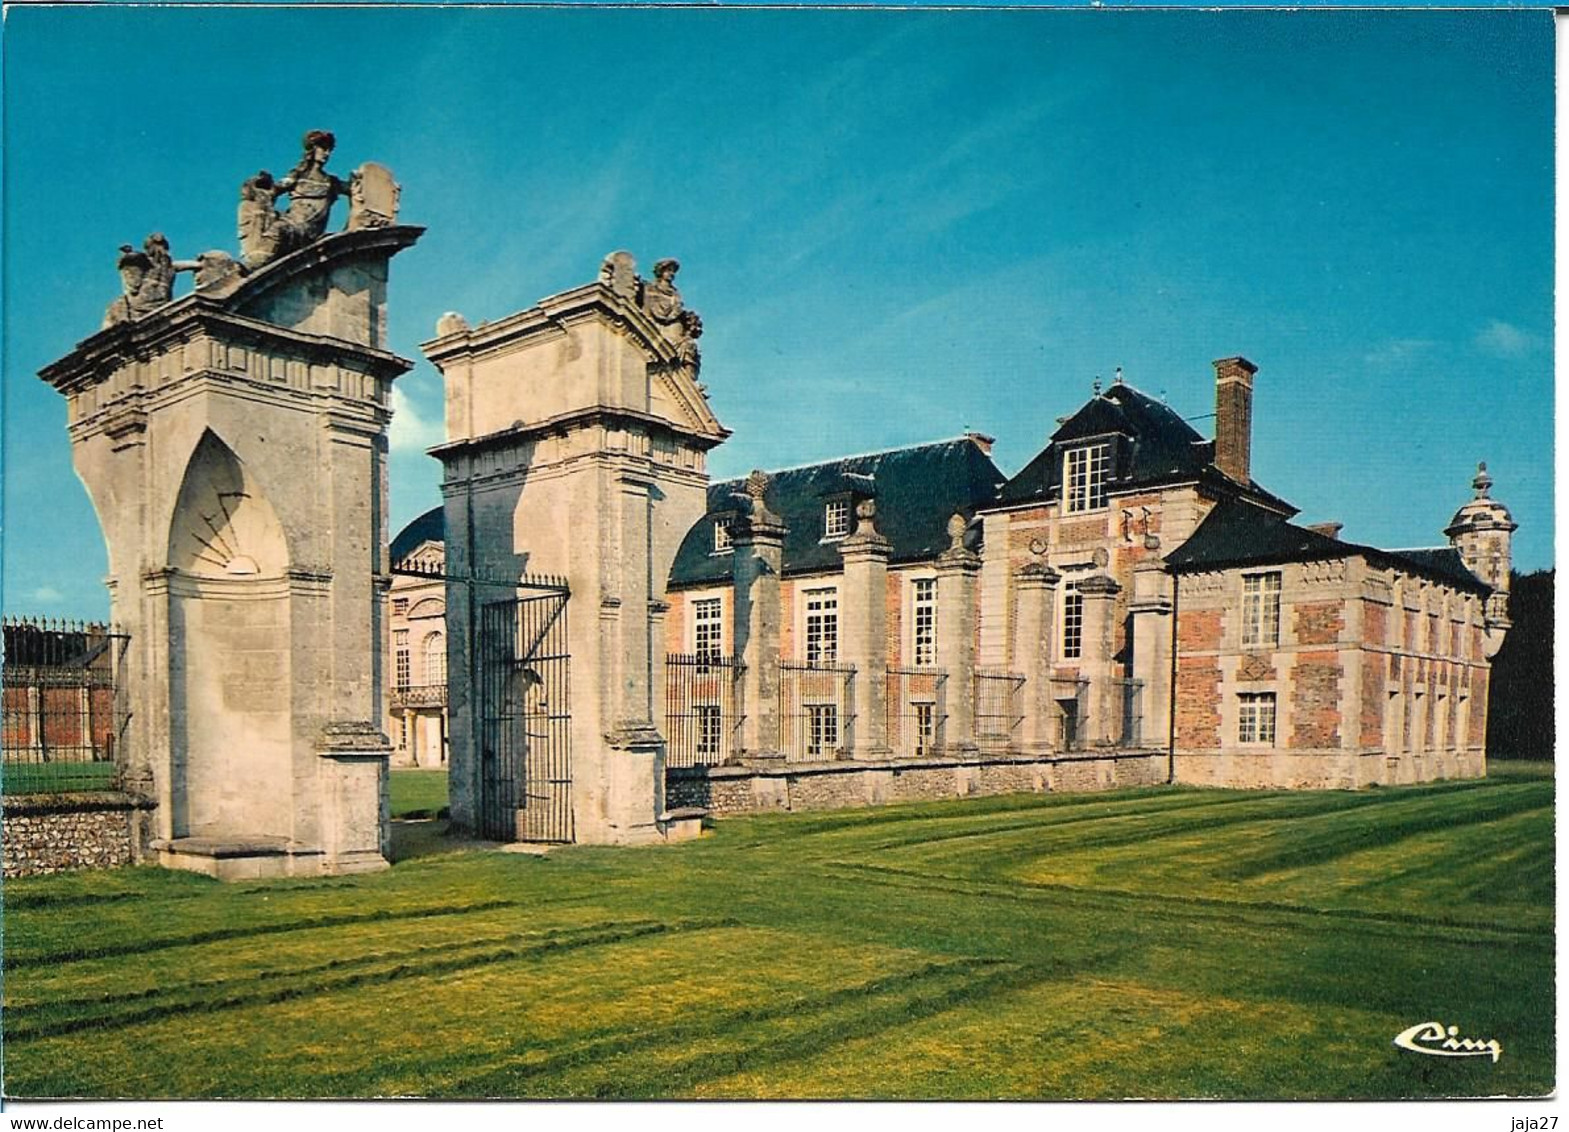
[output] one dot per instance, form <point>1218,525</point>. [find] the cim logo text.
<point>1438,1040</point>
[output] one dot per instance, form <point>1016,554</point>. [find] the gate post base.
<point>619,800</point>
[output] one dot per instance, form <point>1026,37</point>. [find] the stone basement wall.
<point>725,790</point>
<point>54,833</point>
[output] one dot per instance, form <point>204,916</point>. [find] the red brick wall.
<point>1319,622</point>
<point>1375,623</point>
<point>1198,630</point>
<point>1373,698</point>
<point>893,609</point>
<point>1478,706</point>
<point>1198,703</point>
<point>1315,700</point>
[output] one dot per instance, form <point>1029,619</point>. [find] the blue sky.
<point>897,225</point>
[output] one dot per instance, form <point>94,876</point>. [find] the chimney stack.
<point>1234,417</point>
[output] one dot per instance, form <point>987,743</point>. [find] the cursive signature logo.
<point>1438,1040</point>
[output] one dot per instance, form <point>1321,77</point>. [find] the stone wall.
<point>53,833</point>
<point>731,790</point>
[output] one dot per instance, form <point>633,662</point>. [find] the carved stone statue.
<point>147,277</point>
<point>311,191</point>
<point>687,349</point>
<point>619,273</point>
<point>132,266</point>
<point>662,300</point>
<point>260,233</point>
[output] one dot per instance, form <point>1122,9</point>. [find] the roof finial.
<point>1119,376</point>
<point>1483,482</point>
<point>1095,385</point>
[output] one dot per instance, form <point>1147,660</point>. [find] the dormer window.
<point>1084,474</point>
<point>836,519</point>
<point>722,534</point>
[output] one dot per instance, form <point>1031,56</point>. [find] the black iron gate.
<point>525,716</point>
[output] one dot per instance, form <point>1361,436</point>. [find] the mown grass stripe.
<point>216,935</point>
<point>1022,891</point>
<point>400,970</point>
<point>16,1010</point>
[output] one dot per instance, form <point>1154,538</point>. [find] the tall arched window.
<point>435,659</point>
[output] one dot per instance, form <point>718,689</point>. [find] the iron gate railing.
<point>1132,692</point>
<point>525,716</point>
<point>917,710</point>
<point>60,719</point>
<point>702,708</point>
<point>997,713</point>
<point>816,711</point>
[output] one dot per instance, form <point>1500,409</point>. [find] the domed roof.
<point>429,527</point>
<point>1481,513</point>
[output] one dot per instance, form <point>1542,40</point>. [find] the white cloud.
<point>48,595</point>
<point>412,430</point>
<point>1504,340</point>
<point>1396,351</point>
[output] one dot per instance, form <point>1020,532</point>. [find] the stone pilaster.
<point>958,573</point>
<point>758,555</point>
<point>1103,707</point>
<point>1152,612</point>
<point>863,630</point>
<point>1034,620</point>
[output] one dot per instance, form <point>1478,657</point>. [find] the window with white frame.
<point>435,659</point>
<point>1261,610</point>
<point>823,729</point>
<point>709,723</point>
<point>707,628</point>
<point>923,622</point>
<point>822,625</point>
<point>1256,717</point>
<point>1084,477</point>
<point>836,518</point>
<point>400,654</point>
<point>722,534</point>
<point>1072,622</point>
<point>925,728</point>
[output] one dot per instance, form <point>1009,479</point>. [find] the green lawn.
<point>1152,943</point>
<point>418,793</point>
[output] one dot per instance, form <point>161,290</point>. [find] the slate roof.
<point>429,527</point>
<point>1155,446</point>
<point>916,489</point>
<point>1238,533</point>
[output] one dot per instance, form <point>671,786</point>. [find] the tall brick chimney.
<point>1234,417</point>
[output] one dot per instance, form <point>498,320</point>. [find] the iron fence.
<point>60,721</point>
<point>702,708</point>
<point>917,710</point>
<point>816,711</point>
<point>1132,695</point>
<point>419,696</point>
<point>997,713</point>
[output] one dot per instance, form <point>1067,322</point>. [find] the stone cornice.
<point>552,316</point>
<point>578,419</point>
<point>186,319</point>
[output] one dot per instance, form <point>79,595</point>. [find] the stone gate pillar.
<point>757,541</point>
<point>958,570</point>
<point>233,442</point>
<point>577,440</point>
<point>863,629</point>
<point>1103,696</point>
<point>1036,586</point>
<point>1151,613</point>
